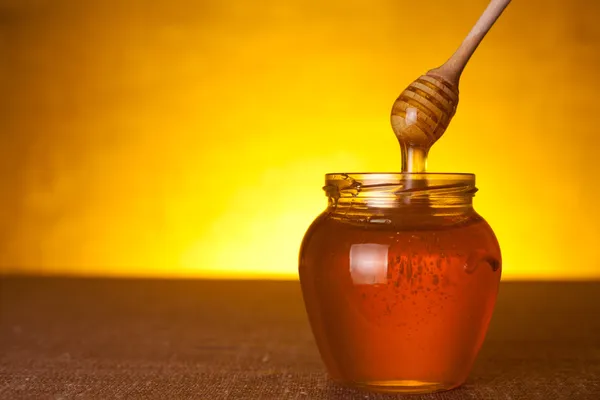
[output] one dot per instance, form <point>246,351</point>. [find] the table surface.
<point>102,338</point>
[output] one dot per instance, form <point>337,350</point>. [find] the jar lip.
<point>428,186</point>
<point>458,177</point>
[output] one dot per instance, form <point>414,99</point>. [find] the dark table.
<point>105,339</point>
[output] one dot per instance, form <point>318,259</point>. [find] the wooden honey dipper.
<point>424,109</point>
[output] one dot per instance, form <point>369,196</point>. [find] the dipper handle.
<point>453,68</point>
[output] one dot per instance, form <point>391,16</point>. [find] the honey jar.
<point>399,277</point>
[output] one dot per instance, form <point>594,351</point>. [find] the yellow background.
<point>190,138</point>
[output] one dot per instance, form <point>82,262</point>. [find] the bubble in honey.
<point>480,259</point>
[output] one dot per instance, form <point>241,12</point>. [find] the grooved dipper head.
<point>423,111</point>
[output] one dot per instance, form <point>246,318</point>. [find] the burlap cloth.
<point>106,339</point>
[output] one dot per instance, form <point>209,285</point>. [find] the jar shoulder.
<point>461,230</point>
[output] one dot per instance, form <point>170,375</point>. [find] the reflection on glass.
<point>369,263</point>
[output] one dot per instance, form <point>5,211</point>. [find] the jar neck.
<point>416,206</point>
<point>431,194</point>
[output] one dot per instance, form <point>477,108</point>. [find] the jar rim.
<point>429,179</point>
<point>458,176</point>
<point>377,187</point>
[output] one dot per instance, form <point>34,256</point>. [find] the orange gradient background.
<point>190,138</point>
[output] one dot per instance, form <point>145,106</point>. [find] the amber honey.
<point>400,294</point>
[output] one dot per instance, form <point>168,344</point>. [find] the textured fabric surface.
<point>104,339</point>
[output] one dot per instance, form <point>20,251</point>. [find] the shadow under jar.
<point>399,277</point>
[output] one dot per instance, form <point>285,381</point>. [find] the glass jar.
<point>399,277</point>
